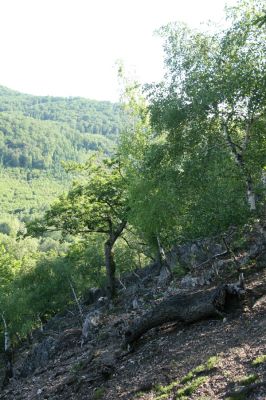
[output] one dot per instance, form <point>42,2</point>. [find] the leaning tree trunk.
<point>186,308</point>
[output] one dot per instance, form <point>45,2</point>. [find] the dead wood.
<point>188,308</point>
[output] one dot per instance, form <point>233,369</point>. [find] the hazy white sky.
<point>69,47</point>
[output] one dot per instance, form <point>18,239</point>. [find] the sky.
<point>70,47</point>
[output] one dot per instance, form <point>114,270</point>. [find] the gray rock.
<point>201,280</point>
<point>164,277</point>
<point>261,260</point>
<point>189,281</point>
<point>92,320</point>
<point>92,295</point>
<point>132,290</point>
<point>107,364</point>
<point>194,253</point>
<point>38,357</point>
<point>135,304</point>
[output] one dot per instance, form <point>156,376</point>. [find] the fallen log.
<point>188,308</point>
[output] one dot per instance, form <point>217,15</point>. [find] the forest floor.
<point>211,359</point>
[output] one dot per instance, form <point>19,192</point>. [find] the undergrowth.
<point>188,384</point>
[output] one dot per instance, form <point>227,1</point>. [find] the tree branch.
<point>79,231</point>
<point>247,135</point>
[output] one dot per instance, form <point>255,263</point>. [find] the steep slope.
<point>212,359</point>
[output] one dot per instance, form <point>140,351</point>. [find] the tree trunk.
<point>239,160</point>
<point>263,214</point>
<point>251,197</point>
<point>187,308</point>
<point>109,256</point>
<point>7,355</point>
<point>110,268</point>
<point>162,256</point>
<point>76,300</point>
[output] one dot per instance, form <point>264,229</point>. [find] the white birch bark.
<point>238,156</point>
<point>7,342</point>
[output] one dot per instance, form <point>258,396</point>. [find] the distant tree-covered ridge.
<point>41,131</point>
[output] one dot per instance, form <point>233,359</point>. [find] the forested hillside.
<point>40,132</point>
<point>82,114</point>
<point>163,230</point>
<point>37,134</point>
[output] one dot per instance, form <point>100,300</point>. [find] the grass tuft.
<point>259,360</point>
<point>166,389</point>
<point>212,362</point>
<point>191,387</point>
<point>98,394</point>
<point>247,380</point>
<point>208,366</point>
<point>190,382</point>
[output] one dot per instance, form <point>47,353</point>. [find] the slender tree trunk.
<point>109,257</point>
<point>237,152</point>
<point>251,197</point>
<point>7,355</point>
<point>263,179</point>
<point>76,299</point>
<point>110,267</point>
<point>263,213</point>
<point>162,256</point>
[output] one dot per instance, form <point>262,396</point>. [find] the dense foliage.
<point>97,203</point>
<point>84,115</point>
<point>189,162</point>
<point>27,193</point>
<point>40,132</point>
<point>203,164</point>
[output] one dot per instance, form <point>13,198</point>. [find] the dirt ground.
<point>103,369</point>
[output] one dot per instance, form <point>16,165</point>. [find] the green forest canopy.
<point>41,131</point>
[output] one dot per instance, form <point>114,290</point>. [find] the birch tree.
<point>214,93</point>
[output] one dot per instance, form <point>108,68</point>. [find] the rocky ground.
<point>223,358</point>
